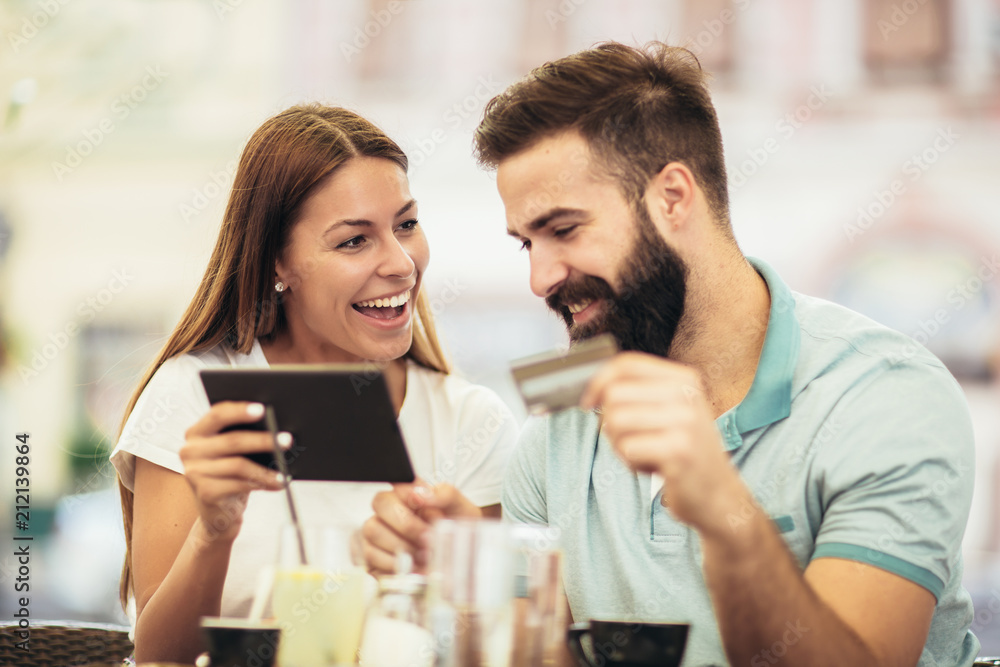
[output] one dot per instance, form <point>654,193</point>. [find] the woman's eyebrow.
<point>361,222</point>
<point>406,207</point>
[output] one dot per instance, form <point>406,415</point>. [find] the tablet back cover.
<point>341,419</point>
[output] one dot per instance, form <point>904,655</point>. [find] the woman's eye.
<point>563,231</point>
<point>525,244</point>
<point>408,225</point>
<point>354,242</point>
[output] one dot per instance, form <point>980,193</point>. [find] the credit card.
<point>555,380</point>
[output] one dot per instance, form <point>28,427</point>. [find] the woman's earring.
<point>279,286</point>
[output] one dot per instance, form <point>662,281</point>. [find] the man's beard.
<point>643,315</point>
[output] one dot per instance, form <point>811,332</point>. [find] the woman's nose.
<point>396,261</point>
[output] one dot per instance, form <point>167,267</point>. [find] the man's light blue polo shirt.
<point>856,441</point>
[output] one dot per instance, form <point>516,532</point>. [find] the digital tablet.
<point>340,417</point>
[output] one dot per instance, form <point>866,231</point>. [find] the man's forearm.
<point>765,608</point>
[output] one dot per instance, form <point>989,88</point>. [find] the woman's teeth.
<point>391,302</point>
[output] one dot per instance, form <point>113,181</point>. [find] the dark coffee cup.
<point>628,643</point>
<point>239,642</point>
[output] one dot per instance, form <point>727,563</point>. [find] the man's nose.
<point>547,272</point>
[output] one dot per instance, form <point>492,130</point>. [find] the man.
<point>770,467</point>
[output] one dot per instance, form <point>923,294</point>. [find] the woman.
<point>319,260</point>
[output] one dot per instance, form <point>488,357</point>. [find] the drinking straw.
<point>279,456</point>
<point>265,580</point>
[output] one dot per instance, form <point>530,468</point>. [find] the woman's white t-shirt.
<point>455,432</point>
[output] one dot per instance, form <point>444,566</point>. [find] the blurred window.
<point>907,40</point>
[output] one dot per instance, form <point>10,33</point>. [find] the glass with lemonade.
<point>320,605</point>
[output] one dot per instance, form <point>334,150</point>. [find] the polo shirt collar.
<point>770,397</point>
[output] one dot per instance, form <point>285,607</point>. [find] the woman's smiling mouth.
<point>385,308</point>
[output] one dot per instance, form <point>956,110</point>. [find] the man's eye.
<point>354,242</point>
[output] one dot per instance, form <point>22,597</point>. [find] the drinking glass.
<point>396,633</point>
<point>471,591</point>
<point>540,618</point>
<point>319,605</point>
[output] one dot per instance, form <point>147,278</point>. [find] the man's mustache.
<point>587,288</point>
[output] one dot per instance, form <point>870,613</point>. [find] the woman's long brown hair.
<point>236,302</point>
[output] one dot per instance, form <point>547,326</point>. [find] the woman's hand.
<point>220,477</point>
<point>403,518</point>
<point>184,527</point>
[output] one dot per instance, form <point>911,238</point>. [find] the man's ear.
<point>670,197</point>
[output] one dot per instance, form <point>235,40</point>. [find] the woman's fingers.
<point>378,560</point>
<point>226,492</point>
<point>222,486</point>
<point>403,518</point>
<point>445,501</point>
<point>220,477</point>
<point>223,414</point>
<point>233,469</point>
<point>381,544</point>
<point>227,444</point>
<point>393,511</point>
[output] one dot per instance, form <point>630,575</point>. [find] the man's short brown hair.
<point>638,108</point>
